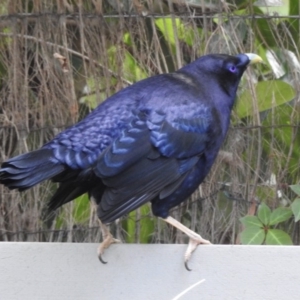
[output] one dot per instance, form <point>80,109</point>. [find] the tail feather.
<point>27,170</point>
<point>69,190</point>
<point>32,159</point>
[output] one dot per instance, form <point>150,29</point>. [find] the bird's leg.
<point>108,239</point>
<point>195,239</point>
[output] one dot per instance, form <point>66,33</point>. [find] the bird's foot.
<point>193,244</point>
<point>108,239</point>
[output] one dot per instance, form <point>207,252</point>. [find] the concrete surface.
<point>72,271</point>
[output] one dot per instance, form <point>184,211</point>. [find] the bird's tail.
<point>26,170</point>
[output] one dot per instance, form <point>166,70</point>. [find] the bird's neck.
<point>230,89</point>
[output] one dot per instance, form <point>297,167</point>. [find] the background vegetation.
<point>59,59</point>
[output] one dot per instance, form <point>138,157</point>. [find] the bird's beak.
<point>254,58</point>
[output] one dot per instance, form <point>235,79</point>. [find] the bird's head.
<point>221,70</point>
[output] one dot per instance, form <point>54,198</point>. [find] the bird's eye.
<point>232,69</point>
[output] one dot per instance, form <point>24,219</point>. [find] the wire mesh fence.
<point>104,47</point>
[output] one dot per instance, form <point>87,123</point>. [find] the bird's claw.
<point>107,241</point>
<point>187,266</point>
<point>101,259</point>
<point>193,244</point>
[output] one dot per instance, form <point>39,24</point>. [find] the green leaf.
<point>279,215</point>
<point>295,188</point>
<point>183,32</point>
<point>81,212</point>
<point>81,209</point>
<point>268,93</point>
<point>295,11</point>
<point>146,225</point>
<point>282,9</point>
<point>127,39</point>
<point>296,209</point>
<point>278,237</point>
<point>165,25</point>
<point>4,7</point>
<point>252,236</point>
<point>264,29</point>
<point>264,213</point>
<point>89,100</point>
<point>251,221</point>
<point>283,138</point>
<point>132,70</point>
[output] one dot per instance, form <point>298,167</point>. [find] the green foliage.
<point>268,94</point>
<point>295,23</point>
<point>296,203</point>
<point>253,236</point>
<point>258,229</point>
<point>264,214</point>
<point>280,214</point>
<point>278,237</point>
<point>285,137</point>
<point>296,209</point>
<point>296,189</point>
<point>280,10</point>
<point>130,68</point>
<point>250,221</point>
<point>268,32</point>
<point>173,29</point>
<point>81,211</point>
<point>92,99</point>
<point>144,227</point>
<point>264,30</point>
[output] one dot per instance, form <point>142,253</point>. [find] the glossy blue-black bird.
<point>155,140</point>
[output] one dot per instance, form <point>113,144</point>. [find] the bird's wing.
<point>152,157</point>
<point>79,146</point>
<point>181,138</point>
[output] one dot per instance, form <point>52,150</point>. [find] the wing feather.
<point>135,170</point>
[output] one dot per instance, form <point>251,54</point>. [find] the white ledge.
<point>72,271</point>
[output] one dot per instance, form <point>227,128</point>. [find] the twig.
<point>66,49</point>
